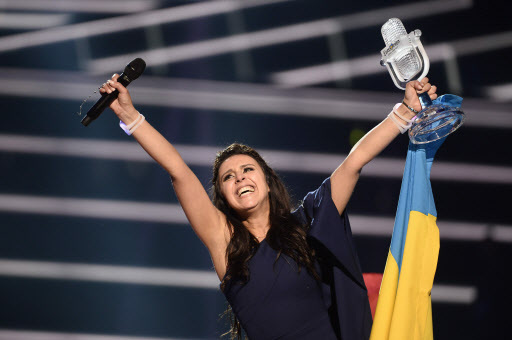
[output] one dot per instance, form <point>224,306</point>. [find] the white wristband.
<point>395,108</point>
<point>129,129</point>
<point>402,127</point>
<point>132,130</point>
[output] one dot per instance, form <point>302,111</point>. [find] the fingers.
<point>117,85</point>
<point>418,86</point>
<point>122,105</point>
<point>432,92</point>
<point>107,86</point>
<point>112,85</point>
<point>427,87</point>
<point>414,88</point>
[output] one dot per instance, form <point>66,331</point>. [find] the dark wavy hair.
<point>286,235</point>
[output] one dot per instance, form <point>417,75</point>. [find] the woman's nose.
<point>240,178</point>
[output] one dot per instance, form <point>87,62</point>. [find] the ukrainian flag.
<point>404,307</point>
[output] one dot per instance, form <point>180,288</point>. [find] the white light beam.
<point>369,65</point>
<point>168,277</point>
<point>32,20</point>
<point>90,6</point>
<point>302,162</point>
<point>123,23</point>
<point>280,35</point>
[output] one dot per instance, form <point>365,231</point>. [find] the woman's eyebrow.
<point>222,176</point>
<point>241,167</point>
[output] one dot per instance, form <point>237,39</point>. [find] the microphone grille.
<point>135,68</point>
<point>392,30</point>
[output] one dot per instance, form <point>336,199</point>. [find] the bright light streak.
<point>238,97</point>
<point>368,65</point>
<point>454,294</point>
<point>126,22</point>
<point>501,93</point>
<point>168,277</point>
<point>173,214</point>
<point>208,48</point>
<point>286,34</point>
<point>339,70</point>
<point>448,230</point>
<point>107,273</point>
<point>302,162</point>
<point>502,233</point>
<point>93,208</point>
<point>12,334</point>
<point>32,20</point>
<point>91,6</point>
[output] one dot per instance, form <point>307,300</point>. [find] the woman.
<point>286,275</point>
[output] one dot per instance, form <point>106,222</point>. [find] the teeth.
<point>245,190</point>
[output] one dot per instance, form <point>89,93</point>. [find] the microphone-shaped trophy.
<point>406,60</point>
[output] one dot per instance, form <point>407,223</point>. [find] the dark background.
<point>43,82</point>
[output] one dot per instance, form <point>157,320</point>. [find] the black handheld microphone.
<point>131,72</point>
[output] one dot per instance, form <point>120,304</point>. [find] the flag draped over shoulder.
<point>404,307</point>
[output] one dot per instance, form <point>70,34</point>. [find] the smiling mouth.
<point>245,190</point>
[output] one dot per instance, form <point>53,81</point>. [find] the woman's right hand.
<point>122,106</point>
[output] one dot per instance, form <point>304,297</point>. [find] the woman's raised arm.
<point>206,220</point>
<point>344,178</point>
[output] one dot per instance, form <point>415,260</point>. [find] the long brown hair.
<point>286,234</point>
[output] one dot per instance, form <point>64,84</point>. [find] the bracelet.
<point>132,130</point>
<point>129,129</point>
<point>395,108</point>
<point>402,127</point>
<point>410,108</point>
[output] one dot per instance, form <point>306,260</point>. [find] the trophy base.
<point>435,122</point>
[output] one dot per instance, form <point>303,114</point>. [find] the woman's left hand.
<point>413,88</point>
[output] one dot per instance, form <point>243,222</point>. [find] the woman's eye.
<point>248,169</point>
<point>227,177</point>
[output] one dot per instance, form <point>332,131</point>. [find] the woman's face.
<point>243,184</point>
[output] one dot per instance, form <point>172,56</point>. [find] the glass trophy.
<point>406,60</point>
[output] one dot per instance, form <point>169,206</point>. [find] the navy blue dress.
<point>279,302</point>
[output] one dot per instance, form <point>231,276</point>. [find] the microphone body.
<point>404,55</point>
<point>131,72</point>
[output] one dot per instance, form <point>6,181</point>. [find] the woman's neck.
<point>258,225</point>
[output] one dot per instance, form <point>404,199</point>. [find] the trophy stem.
<point>424,100</point>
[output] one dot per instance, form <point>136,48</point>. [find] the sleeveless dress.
<point>281,302</point>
